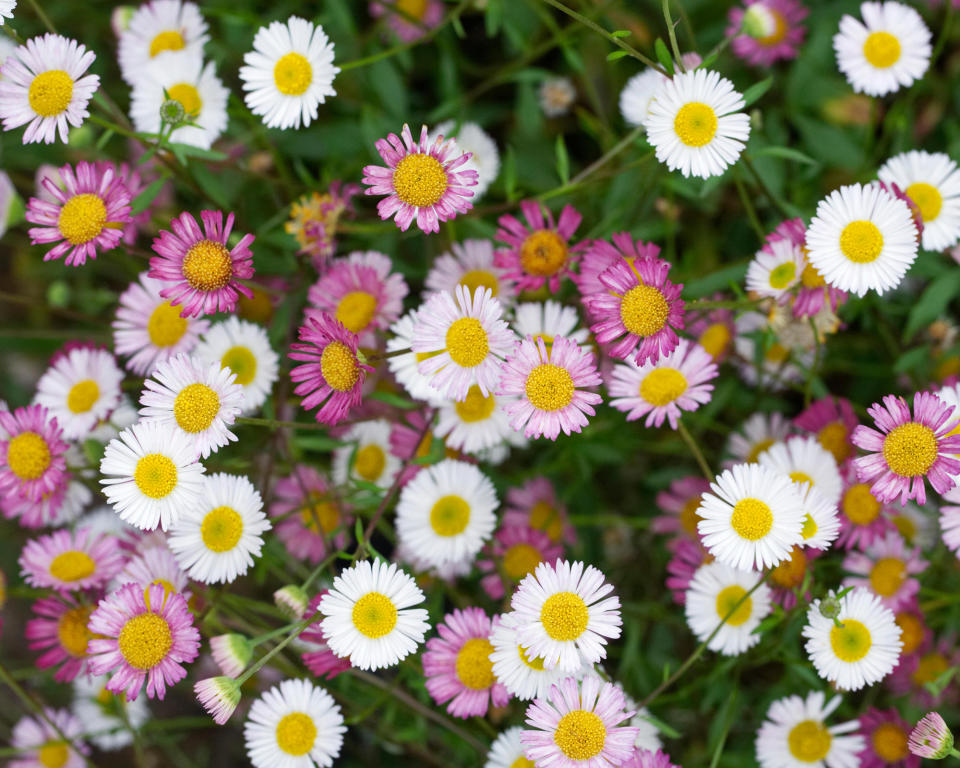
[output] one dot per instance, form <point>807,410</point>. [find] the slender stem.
<point>278,424</point>
<point>748,206</point>
<point>701,304</point>
<point>318,570</point>
<point>258,665</point>
<point>672,32</point>
<point>695,450</point>
<point>773,198</point>
<point>611,153</point>
<point>44,19</point>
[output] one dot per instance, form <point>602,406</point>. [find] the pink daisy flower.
<point>915,671</point>
<point>60,630</point>
<point>886,567</point>
<point>931,737</point>
<point>458,668</point>
<point>578,726</point>
<point>515,552</point>
<point>155,564</point>
<point>314,219</point>
<point>687,557</point>
<point>310,519</point>
<point>45,512</point>
<point>411,439</point>
<point>205,273</point>
<point>332,374</point>
<point>676,382</point>
<point>87,215</point>
<point>863,519</point>
<point>645,758</point>
<point>812,292</point>
<point>32,463</point>
<point>598,255</point>
<point>713,329</point>
<point>550,387</point>
<point>539,251</point>
<point>908,448</point>
<point>770,30</point>
<point>423,16</point>
<point>39,745</point>
<point>680,504</point>
<point>535,504</point>
<point>639,313</point>
<point>422,181</point>
<point>950,520</point>
<point>69,560</point>
<point>145,635</point>
<point>470,263</point>
<point>885,735</point>
<point>832,420</point>
<point>322,661</point>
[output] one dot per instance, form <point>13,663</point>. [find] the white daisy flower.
<point>108,719</point>
<point>80,389</point>
<point>43,86</point>
<point>713,592</point>
<point>821,524</point>
<point>751,518</point>
<point>695,123</point>
<point>198,89</point>
<point>199,401</point>
<point>470,263</point>
<point>366,455</point>
<point>756,435</point>
<point>564,615</point>
<point>862,649</point>
<point>524,675</point>
<point>216,539</point>
<point>775,271</point>
<point>805,460</point>
<point>294,725</point>
<point>485,159</point>
<point>151,475</point>
<point>556,95</point>
<point>637,95</point>
<point>161,32</point>
<point>888,50</point>
<point>476,423</point>
<point>6,9</point>
<point>795,735</point>
<point>446,512</point>
<point>548,319</point>
<point>507,750</point>
<point>244,348</point>
<point>648,734</point>
<point>862,237</point>
<point>932,181</point>
<point>406,367</point>
<point>369,618</point>
<point>289,73</point>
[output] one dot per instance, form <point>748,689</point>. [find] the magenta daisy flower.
<point>515,552</point>
<point>314,219</point>
<point>32,463</point>
<point>411,438</point>
<point>639,313</point>
<point>645,758</point>
<point>908,448</point>
<point>421,180</point>
<point>863,519</point>
<point>60,630</point>
<point>38,744</point>
<point>320,659</point>
<point>833,421</point>
<point>67,560</point>
<point>687,557</point>
<point>812,292</point>
<point>144,635</point>
<point>714,329</point>
<point>915,671</point>
<point>887,568</point>
<point>550,387</point>
<point>598,255</point>
<point>769,30</point>
<point>309,518</point>
<point>578,726</point>
<point>205,273</point>
<point>332,374</point>
<point>87,215</point>
<point>539,251</point>
<point>535,504</point>
<point>885,733</point>
<point>458,668</point>
<point>422,16</point>
<point>680,504</point>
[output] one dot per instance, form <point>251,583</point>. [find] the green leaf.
<point>615,55</point>
<point>93,451</point>
<point>787,153</point>
<point>510,174</point>
<point>663,55</point>
<point>142,201</point>
<point>563,160</point>
<point>185,150</point>
<point>391,398</point>
<point>755,91</point>
<point>620,33</point>
<point>932,302</point>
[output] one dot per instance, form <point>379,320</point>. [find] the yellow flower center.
<point>549,387</point>
<point>811,278</point>
<point>929,668</point>
<point>535,663</point>
<point>258,308</point>
<point>155,475</point>
<point>82,218</point>
<point>779,31</point>
<point>861,241</point>
<point>466,341</point>
<point>475,407</point>
<point>522,762</point>
<point>543,253</point>
<point>790,572</point>
<point>479,278</point>
<point>296,732</point>
<point>520,560</point>
<point>221,529</point>
<point>910,449</point>
<point>662,386</point>
<point>449,515</point>
<point>292,74</point>
<point>752,519</point>
<point>374,615</point>
<point>851,640</point>
<point>564,616</point>
<point>72,630</point>
<point>413,8</point>
<point>729,597</point>
<point>906,527</point>
<point>207,266</point>
<point>911,632</point>
<point>695,124</point>
<point>165,325</point>
<point>887,576</point>
<point>859,505</point>
<point>196,407</point>
<point>881,49</point>
<point>369,462</point>
<point>73,565</point>
<point>168,40</point>
<point>145,640</point>
<point>810,527</point>
<point>188,96</point>
<point>801,477</point>
<point>82,396</point>
<point>715,339</point>
<point>580,734</point>
<point>688,515</point>
<point>50,93</point>
<point>326,513</point>
<point>782,275</point>
<point>833,438</point>
<point>644,310</point>
<point>339,367</point>
<point>927,198</point>
<point>53,754</point>
<point>544,517</point>
<point>420,180</point>
<point>356,309</point>
<point>809,741</point>
<point>890,743</point>
<point>474,668</point>
<point>241,361</point>
<point>28,456</point>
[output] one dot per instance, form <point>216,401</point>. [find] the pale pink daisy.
<point>513,554</point>
<point>538,252</point>
<point>931,737</point>
<point>470,263</point>
<point>645,758</point>
<point>70,560</point>
<point>309,518</point>
<point>812,292</point>
<point>38,744</point>
<point>32,462</point>
<point>888,569</point>
<point>598,255</point>
<point>917,670</point>
<point>59,629</point>
<point>950,520</point>
<point>680,504</point>
<point>686,559</point>
<point>535,504</point>
<point>767,31</point>
<point>414,21</point>
<point>863,518</point>
<point>832,420</point>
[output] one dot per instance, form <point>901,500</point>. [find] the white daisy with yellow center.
<point>772,273</point>
<point>6,9</point>
<point>637,96</point>
<point>366,455</point>
<point>805,460</point>
<point>821,523</point>
<point>719,593</point>
<point>476,423</point>
<point>244,348</point>
<point>81,389</point>
<point>548,319</point>
<point>507,751</point>
<point>405,365</point>
<point>369,616</point>
<point>106,715</point>
<point>151,475</point>
<point>469,263</point>
<point>289,73</point>
<point>294,725</point>
<point>857,643</point>
<point>446,513</point>
<point>160,33</point>
<point>888,50</point>
<point>796,735</point>
<point>756,435</point>
<point>862,238</point>
<point>216,540</point>
<point>932,181</point>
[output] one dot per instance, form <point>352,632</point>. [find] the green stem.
<point>44,19</point>
<point>278,424</point>
<point>695,450</point>
<point>672,32</point>
<point>259,664</point>
<point>748,207</point>
<point>773,198</point>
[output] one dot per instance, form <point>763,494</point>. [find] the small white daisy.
<point>470,263</point>
<point>485,159</point>
<point>821,524</point>
<point>217,538</point>
<point>294,725</point>
<point>477,423</point>
<point>862,237</point>
<point>648,734</point>
<point>109,719</point>
<point>81,389</point>
<point>756,435</point>
<point>548,319</point>
<point>795,735</point>
<point>6,9</point>
<point>751,518</point>
<point>862,649</point>
<point>774,270</point>
<point>805,460</point>
<point>507,750</point>
<point>366,455</point>
<point>369,618</point>
<point>557,95</point>
<point>151,475</point>
<point>161,32</point>
<point>446,513</point>
<point>637,95</point>
<point>200,401</point>
<point>932,181</point>
<point>289,73</point>
<point>564,615</point>
<point>695,124</point>
<point>713,592</point>
<point>888,50</point>
<point>406,366</point>
<point>244,348</point>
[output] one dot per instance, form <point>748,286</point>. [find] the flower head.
<point>795,732</point>
<point>721,595</point>
<point>38,742</point>
<point>538,252</point>
<point>219,696</point>
<point>71,560</point>
<point>769,30</point>
<point>32,462</point>
<point>308,516</point>
<point>158,34</point>
<point>932,182</point>
<point>931,738</point>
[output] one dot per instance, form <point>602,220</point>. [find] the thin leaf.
<point>142,201</point>
<point>755,91</point>
<point>663,56</point>
<point>563,160</point>
<point>787,153</point>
